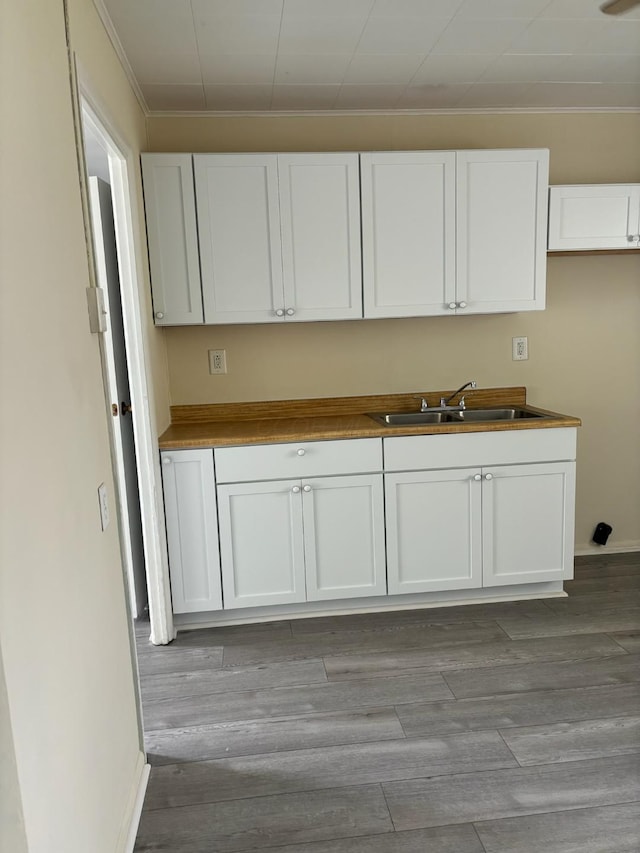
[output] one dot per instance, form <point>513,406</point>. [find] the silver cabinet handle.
<point>280,312</point>
<point>166,460</point>
<point>306,488</point>
<point>301,451</point>
<point>488,476</point>
<point>462,304</point>
<point>290,312</point>
<point>477,476</point>
<point>453,306</point>
<point>159,315</point>
<point>295,490</point>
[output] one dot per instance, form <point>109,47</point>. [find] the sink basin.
<point>477,415</point>
<point>449,417</point>
<point>409,418</point>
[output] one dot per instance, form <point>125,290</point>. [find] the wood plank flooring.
<point>492,728</point>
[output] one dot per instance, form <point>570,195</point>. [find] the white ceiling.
<point>309,55</point>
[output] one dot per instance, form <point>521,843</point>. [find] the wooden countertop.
<point>224,424</point>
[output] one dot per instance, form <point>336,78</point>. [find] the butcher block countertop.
<point>224,424</point>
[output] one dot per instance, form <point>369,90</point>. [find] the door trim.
<point>122,164</point>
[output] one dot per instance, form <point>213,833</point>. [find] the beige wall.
<point>12,830</point>
<point>63,622</point>
<point>584,348</point>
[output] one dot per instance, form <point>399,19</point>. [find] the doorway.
<point>110,213</point>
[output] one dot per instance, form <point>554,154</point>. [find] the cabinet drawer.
<point>504,447</point>
<point>297,460</point>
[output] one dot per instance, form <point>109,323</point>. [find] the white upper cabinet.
<point>408,232</point>
<point>501,230</point>
<point>239,236</point>
<point>172,238</point>
<point>279,236</point>
<point>454,232</point>
<point>282,237</point>
<point>320,223</point>
<point>603,216</point>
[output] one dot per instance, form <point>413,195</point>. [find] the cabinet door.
<point>321,255</point>
<point>408,233</point>
<point>501,230</point>
<point>344,537</point>
<point>172,237</point>
<point>527,520</point>
<point>594,217</point>
<point>192,530</point>
<point>434,529</point>
<point>261,543</point>
<point>239,233</point>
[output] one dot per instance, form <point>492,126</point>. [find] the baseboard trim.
<point>136,812</point>
<point>602,550</point>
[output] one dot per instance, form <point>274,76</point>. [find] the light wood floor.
<point>493,728</point>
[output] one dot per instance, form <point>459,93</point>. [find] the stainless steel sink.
<point>453,417</point>
<point>478,415</point>
<point>408,418</point>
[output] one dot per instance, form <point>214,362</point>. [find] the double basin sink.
<point>454,416</point>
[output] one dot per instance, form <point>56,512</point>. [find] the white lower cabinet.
<point>189,489</point>
<point>290,541</point>
<point>318,521</point>
<point>527,523</point>
<point>434,530</point>
<point>485,526</point>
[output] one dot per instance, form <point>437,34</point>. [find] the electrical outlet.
<point>519,349</point>
<point>217,361</point>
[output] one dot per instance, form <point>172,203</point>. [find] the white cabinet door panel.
<point>408,233</point>
<point>605,216</point>
<point>434,530</point>
<point>239,234</point>
<point>172,237</point>
<point>192,531</point>
<point>344,537</point>
<point>261,543</point>
<point>321,255</point>
<point>501,230</point>
<point>527,514</point>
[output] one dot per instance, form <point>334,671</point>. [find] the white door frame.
<point>122,164</point>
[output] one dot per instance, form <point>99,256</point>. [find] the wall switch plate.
<point>217,361</point>
<point>104,505</point>
<point>519,349</point>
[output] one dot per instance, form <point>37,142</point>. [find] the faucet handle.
<point>424,405</point>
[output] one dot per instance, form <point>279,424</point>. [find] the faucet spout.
<point>446,402</point>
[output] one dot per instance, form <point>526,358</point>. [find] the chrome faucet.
<point>445,403</point>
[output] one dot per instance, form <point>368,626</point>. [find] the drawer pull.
<point>477,476</point>
<point>295,490</point>
<point>488,476</point>
<point>301,451</point>
<point>306,488</point>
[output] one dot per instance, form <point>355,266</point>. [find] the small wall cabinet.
<point>601,216</point>
<point>170,211</point>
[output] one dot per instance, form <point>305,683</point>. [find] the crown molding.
<point>105,17</point>
<point>344,113</point>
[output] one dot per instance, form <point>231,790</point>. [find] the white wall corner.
<point>135,803</point>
